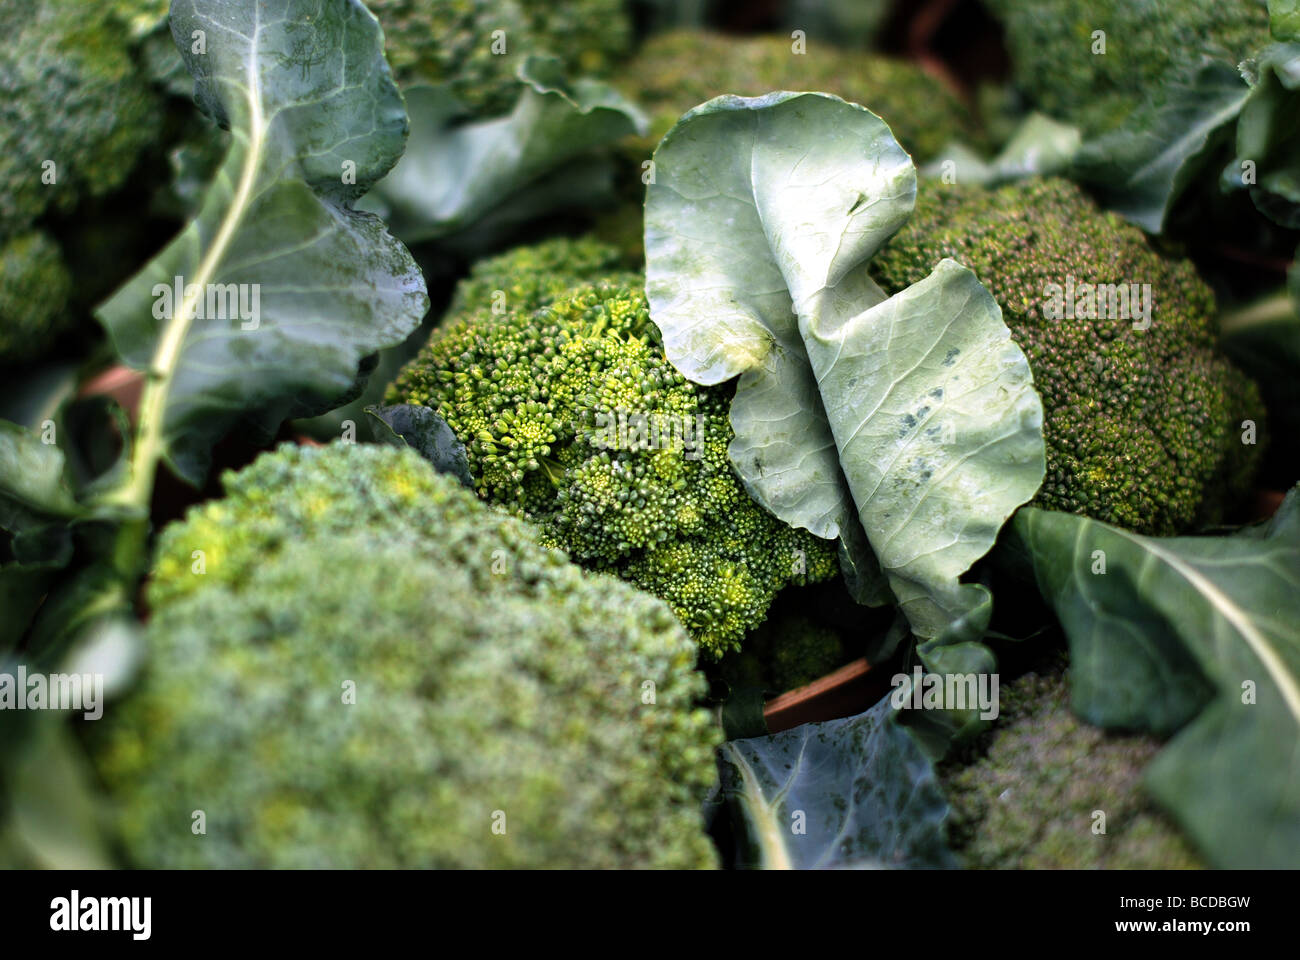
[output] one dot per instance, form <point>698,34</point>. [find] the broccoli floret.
<point>73,96</point>
<point>801,651</point>
<point>1023,795</point>
<point>379,670</point>
<point>546,400</point>
<point>676,71</point>
<point>1142,426</point>
<point>1057,62</point>
<point>34,290</point>
<point>451,41</point>
<point>788,650</point>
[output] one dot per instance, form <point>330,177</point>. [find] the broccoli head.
<point>1059,63</point>
<point>1024,794</point>
<point>373,668</point>
<point>1142,426</point>
<point>574,419</point>
<point>451,41</point>
<point>34,290</point>
<point>76,111</point>
<point>676,71</point>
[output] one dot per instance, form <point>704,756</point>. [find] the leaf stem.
<point>148,448</point>
<point>131,549</point>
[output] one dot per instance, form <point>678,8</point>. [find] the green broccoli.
<point>788,650</point>
<point>34,290</point>
<point>369,667</point>
<point>547,402</point>
<point>452,41</point>
<point>1059,63</point>
<point>76,112</point>
<point>676,71</point>
<point>1025,793</point>
<point>1142,426</point>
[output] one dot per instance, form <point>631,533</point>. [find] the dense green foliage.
<point>451,41</point>
<point>490,674</point>
<point>524,387</point>
<point>1024,795</point>
<point>1143,427</point>
<point>1057,63</point>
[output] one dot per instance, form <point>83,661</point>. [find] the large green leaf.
<point>455,174</point>
<point>315,120</point>
<point>856,792</point>
<point>1142,168</point>
<point>913,416</point>
<point>1197,634</point>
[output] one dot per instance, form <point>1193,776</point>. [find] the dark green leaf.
<point>857,792</point>
<point>1141,168</point>
<point>1268,137</point>
<point>422,429</point>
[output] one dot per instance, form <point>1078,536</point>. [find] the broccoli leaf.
<point>1140,169</point>
<point>1040,147</point>
<point>33,485</point>
<point>454,174</point>
<point>284,288</point>
<point>914,416</point>
<point>1268,142</point>
<point>411,425</point>
<point>1263,338</point>
<point>856,792</point>
<point>1196,633</point>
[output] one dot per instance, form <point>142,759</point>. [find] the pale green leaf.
<point>285,287</point>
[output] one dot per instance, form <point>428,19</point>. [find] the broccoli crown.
<point>1024,794</point>
<point>1059,63</point>
<point>379,670</point>
<point>452,41</point>
<point>73,96</point>
<point>1141,426</point>
<point>573,418</point>
<point>34,290</point>
<point>678,70</point>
